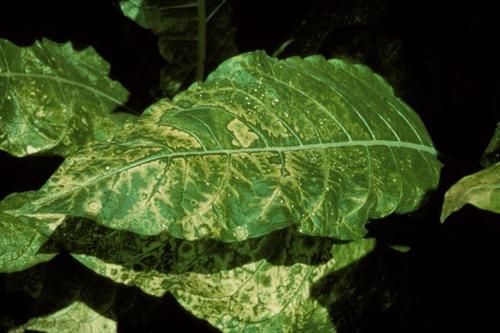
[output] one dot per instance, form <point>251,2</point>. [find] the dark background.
<point>441,59</point>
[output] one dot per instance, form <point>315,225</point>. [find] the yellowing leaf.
<point>77,317</point>
<point>481,189</point>
<point>263,144</point>
<point>259,285</point>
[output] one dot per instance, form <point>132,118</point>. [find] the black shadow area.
<point>52,286</point>
<point>447,281</point>
<point>25,174</point>
<point>164,253</point>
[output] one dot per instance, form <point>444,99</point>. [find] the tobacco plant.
<point>246,196</point>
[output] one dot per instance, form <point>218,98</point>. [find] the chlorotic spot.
<point>240,233</point>
<point>243,136</point>
<point>93,207</point>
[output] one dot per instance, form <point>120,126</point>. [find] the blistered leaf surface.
<point>55,99</point>
<point>261,145</point>
<point>22,237</point>
<point>481,189</point>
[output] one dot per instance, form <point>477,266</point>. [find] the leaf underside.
<point>55,99</point>
<point>261,145</point>
<point>481,189</point>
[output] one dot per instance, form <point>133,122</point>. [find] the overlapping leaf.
<point>55,99</point>
<point>63,297</point>
<point>77,317</point>
<point>21,238</point>
<point>261,145</point>
<point>481,189</point>
<point>258,285</point>
<point>492,153</point>
<point>177,24</point>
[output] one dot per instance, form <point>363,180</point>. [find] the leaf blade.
<point>21,238</point>
<point>56,99</point>
<point>212,164</point>
<point>256,285</point>
<point>481,189</point>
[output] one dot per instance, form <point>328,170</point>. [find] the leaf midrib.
<point>363,143</point>
<point>327,145</point>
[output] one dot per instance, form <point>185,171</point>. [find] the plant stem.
<point>200,68</point>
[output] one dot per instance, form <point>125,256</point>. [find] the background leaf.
<point>56,99</point>
<point>43,295</point>
<point>77,317</point>
<point>481,189</point>
<point>63,297</point>
<point>261,145</point>
<point>258,285</point>
<point>176,22</point>
<point>22,237</point>
<point>492,153</point>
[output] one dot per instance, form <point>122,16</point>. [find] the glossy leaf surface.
<point>261,145</point>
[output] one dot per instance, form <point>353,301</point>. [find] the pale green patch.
<point>93,207</point>
<point>243,136</point>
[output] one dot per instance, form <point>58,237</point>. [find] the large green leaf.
<point>261,145</point>
<point>189,40</point>
<point>259,285</point>
<point>481,189</point>
<point>55,99</point>
<point>22,237</point>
